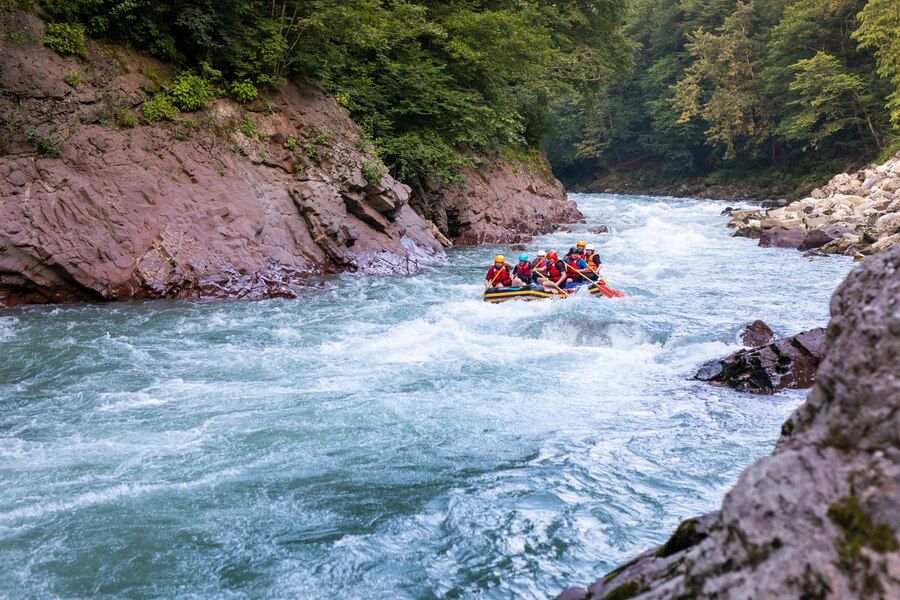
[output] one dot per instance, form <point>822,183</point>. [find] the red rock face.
<point>229,202</point>
<point>499,203</point>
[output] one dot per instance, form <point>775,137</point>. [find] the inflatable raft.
<point>539,293</point>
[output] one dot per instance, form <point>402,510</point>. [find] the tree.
<point>880,30</point>
<point>830,99</point>
<point>721,85</point>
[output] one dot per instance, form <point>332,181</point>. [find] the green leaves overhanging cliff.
<point>430,82</point>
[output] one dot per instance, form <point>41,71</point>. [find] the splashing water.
<point>392,437</point>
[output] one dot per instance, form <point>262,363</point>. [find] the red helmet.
<point>552,255</point>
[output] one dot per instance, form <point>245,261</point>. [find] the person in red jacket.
<point>552,272</point>
<point>522,273</point>
<point>498,275</point>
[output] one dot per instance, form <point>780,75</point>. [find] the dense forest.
<point>430,82</point>
<point>780,92</point>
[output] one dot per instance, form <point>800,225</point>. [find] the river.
<point>392,437</point>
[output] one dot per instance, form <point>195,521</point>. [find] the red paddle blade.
<point>608,291</point>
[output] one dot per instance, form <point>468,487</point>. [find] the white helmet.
<point>542,253</point>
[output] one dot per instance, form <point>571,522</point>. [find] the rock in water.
<point>790,363</point>
<point>781,237</point>
<point>757,334</point>
<point>819,518</point>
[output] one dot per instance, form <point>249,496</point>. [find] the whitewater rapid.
<point>392,437</point>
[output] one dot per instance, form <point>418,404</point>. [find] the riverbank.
<point>856,214</point>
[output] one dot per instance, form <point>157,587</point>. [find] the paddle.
<point>547,278</point>
<point>597,283</point>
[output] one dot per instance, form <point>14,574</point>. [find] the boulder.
<point>756,334</point>
<point>786,364</point>
<point>887,224</point>
<point>816,238</point>
<point>782,237</point>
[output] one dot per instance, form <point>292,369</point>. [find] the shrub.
<point>66,39</point>
<point>248,127</point>
<point>244,91</point>
<point>191,92</point>
<point>373,172</point>
<point>73,78</point>
<point>158,108</point>
<point>125,118</point>
<point>46,146</point>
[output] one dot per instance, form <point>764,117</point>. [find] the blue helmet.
<point>523,257</point>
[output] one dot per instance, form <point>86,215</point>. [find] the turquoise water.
<point>391,437</point>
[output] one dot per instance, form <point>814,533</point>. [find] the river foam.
<point>392,437</point>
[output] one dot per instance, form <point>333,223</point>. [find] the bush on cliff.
<point>158,108</point>
<point>66,38</point>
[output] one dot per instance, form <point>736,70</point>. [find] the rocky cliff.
<point>854,214</point>
<point>820,518</point>
<point>499,202</point>
<point>228,202</point>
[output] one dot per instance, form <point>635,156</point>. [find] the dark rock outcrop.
<point>819,518</point>
<point>757,334</point>
<point>790,363</point>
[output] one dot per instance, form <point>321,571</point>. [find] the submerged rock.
<point>819,518</point>
<point>790,363</point>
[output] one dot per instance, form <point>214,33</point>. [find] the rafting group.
<point>547,276</point>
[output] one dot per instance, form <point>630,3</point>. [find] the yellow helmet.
<point>499,258</point>
<point>580,244</point>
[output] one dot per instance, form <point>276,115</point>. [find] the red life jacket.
<point>503,278</point>
<point>553,272</point>
<point>523,270</point>
<point>572,266</point>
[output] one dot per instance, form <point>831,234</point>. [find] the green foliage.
<point>829,100</point>
<point>373,172</point>
<point>244,91</point>
<point>125,118</point>
<point>248,127</point>
<point>158,108</point>
<point>878,30</point>
<point>45,145</point>
<point>431,82</point>
<point>784,86</point>
<point>190,92</point>
<point>73,78</point>
<point>66,38</point>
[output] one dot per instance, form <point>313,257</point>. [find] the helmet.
<point>523,257</point>
<point>573,250</point>
<point>590,248</point>
<point>552,255</point>
<point>580,244</point>
<point>542,253</point>
<point>499,258</point>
